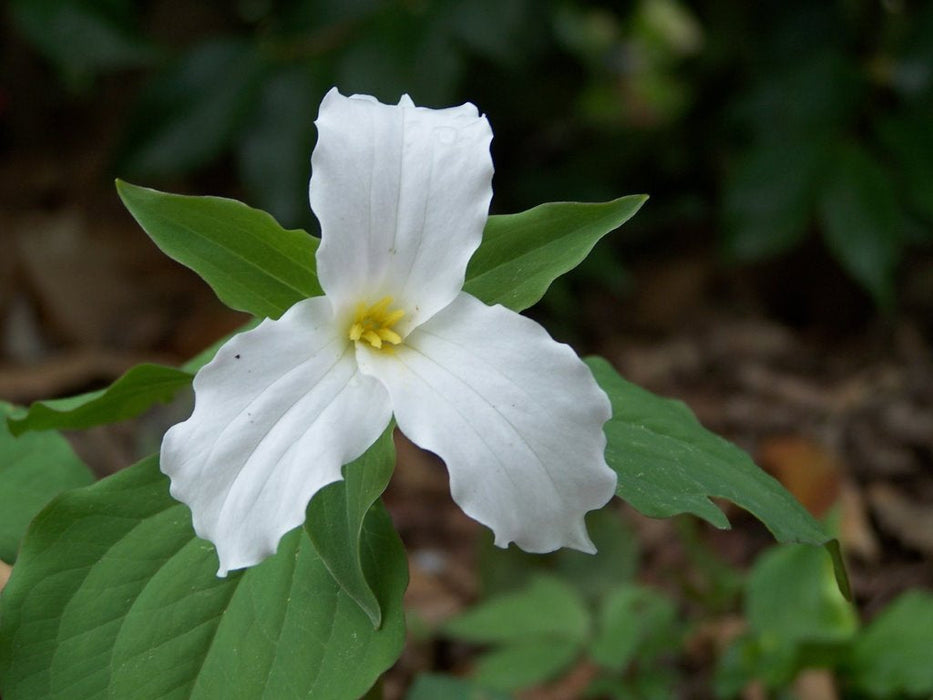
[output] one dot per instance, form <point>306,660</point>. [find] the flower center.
<point>373,324</point>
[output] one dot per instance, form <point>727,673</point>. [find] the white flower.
<point>402,195</point>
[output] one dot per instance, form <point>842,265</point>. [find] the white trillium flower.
<point>402,195</point>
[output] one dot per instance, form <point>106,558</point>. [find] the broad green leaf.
<point>751,658</point>
<point>256,266</point>
<point>649,682</point>
<point>797,618</point>
<point>433,686</point>
<point>791,598</point>
<point>273,152</point>
<point>505,570</point>
<point>496,30</point>
<point>634,623</point>
<point>114,596</point>
<point>137,390</point>
<point>805,97</point>
<point>769,198</point>
<point>618,559</point>
<point>527,662</point>
<point>336,515</point>
<point>517,616</point>
<point>83,37</point>
<point>251,263</point>
<point>909,139</point>
<point>410,52</point>
<point>667,463</point>
<point>892,655</point>
<point>521,254</point>
<point>33,470</point>
<point>190,112</point>
<point>861,222</point>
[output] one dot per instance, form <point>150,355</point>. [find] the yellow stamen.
<point>392,317</point>
<point>389,336</point>
<point>374,324</point>
<point>373,339</point>
<point>379,308</point>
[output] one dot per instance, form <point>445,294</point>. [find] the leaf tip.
<point>640,200</point>
<point>375,617</point>
<point>15,425</point>
<point>124,190</point>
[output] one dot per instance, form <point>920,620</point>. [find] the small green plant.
<point>563,611</point>
<point>566,610</point>
<point>797,620</point>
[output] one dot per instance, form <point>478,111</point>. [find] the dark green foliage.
<point>744,118</point>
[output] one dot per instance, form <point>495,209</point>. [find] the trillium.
<point>402,195</point>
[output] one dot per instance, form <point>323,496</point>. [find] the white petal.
<point>278,412</point>
<point>516,416</point>
<point>402,194</point>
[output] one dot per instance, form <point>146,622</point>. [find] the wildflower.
<point>402,195</point>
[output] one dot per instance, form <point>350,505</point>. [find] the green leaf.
<point>254,265</point>
<point>769,197</point>
<point>634,623</point>
<point>791,598</point>
<point>750,658</point>
<point>273,152</point>
<point>190,112</point>
<point>797,618</point>
<point>83,36</point>
<point>137,390</point>
<point>667,463</point>
<point>432,686</point>
<point>517,616</point>
<point>114,596</point>
<point>910,141</point>
<point>403,51</point>
<point>525,662</point>
<point>503,570</point>
<point>336,515</point>
<point>33,470</point>
<point>806,97</point>
<point>618,560</point>
<point>892,655</point>
<point>521,254</point>
<point>536,645</point>
<point>250,262</point>
<point>496,30</point>
<point>861,222</point>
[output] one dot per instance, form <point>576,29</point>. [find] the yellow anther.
<point>379,308</point>
<point>389,336</point>
<point>392,317</point>
<point>374,324</point>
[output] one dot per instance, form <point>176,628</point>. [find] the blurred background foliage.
<point>760,129</point>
